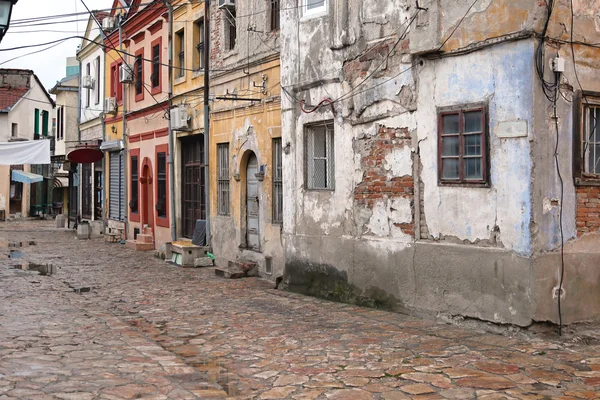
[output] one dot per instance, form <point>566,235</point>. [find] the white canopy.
<point>25,152</point>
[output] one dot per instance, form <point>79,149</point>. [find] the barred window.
<point>161,203</point>
<point>223,178</point>
<point>320,163</point>
<point>199,37</point>
<point>274,15</point>
<point>591,140</point>
<point>277,182</point>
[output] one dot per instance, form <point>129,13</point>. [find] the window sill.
<point>198,73</point>
<point>162,222</point>
<point>475,185</point>
<point>587,182</point>
<point>156,90</point>
<point>320,190</point>
<point>315,14</point>
<point>178,80</point>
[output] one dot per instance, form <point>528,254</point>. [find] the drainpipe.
<point>124,133</point>
<point>79,166</point>
<point>171,138</point>
<point>207,116</point>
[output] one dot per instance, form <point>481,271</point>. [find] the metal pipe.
<point>207,116</point>
<point>171,138</point>
<point>124,133</point>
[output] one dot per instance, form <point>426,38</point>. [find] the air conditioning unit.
<point>226,3</point>
<point>110,105</point>
<point>179,118</point>
<point>108,24</point>
<point>126,74</point>
<point>87,82</point>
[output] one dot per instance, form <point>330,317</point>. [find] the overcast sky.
<point>49,65</point>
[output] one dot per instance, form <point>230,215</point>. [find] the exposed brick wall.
<point>376,184</point>
<point>588,209</point>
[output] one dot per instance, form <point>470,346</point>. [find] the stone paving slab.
<point>147,329</point>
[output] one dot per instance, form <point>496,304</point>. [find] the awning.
<point>25,152</point>
<point>26,177</point>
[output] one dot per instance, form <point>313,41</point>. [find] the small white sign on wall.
<point>511,129</point>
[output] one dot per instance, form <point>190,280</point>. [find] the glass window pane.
<point>450,146</point>
<point>320,142</point>
<point>472,145</point>
<point>472,168</point>
<point>473,121</point>
<point>450,168</point>
<point>450,123</point>
<point>312,4</point>
<point>320,174</point>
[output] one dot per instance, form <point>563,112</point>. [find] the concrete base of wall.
<point>483,283</point>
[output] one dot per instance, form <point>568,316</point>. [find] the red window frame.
<point>162,148</point>
<point>139,53</point>
<point>156,89</point>
<point>462,181</point>
<point>135,216</point>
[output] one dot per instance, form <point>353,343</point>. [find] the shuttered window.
<point>277,182</point>
<point>117,187</point>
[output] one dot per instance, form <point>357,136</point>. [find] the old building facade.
<point>421,171</point>
<point>245,135</point>
<point>91,102</point>
<point>25,114</point>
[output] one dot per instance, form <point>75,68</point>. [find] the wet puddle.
<point>11,245</point>
<point>41,269</point>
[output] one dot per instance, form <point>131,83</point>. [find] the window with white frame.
<point>590,137</point>
<point>320,163</point>
<point>312,7</point>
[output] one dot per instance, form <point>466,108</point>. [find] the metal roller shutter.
<point>116,182</point>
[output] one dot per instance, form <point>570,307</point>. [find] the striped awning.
<point>26,177</point>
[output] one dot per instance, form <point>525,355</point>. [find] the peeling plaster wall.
<point>488,76</point>
<point>480,252</point>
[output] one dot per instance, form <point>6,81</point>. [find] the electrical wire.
<point>560,218</point>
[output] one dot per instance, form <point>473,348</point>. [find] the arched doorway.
<point>147,195</point>
<point>252,204</point>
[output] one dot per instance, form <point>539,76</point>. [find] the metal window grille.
<point>200,44</point>
<point>223,178</point>
<point>116,208</point>
<point>134,203</point>
<point>155,66</point>
<point>277,182</point>
<point>161,204</point>
<point>591,140</point>
<point>275,15</point>
<point>181,53</point>
<point>320,156</point>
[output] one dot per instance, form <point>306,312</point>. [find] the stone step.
<point>203,262</point>
<point>237,270</point>
<point>139,246</point>
<point>144,238</point>
<point>147,231</point>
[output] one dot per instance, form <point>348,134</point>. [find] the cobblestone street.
<point>110,323</point>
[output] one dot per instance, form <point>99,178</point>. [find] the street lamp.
<point>5,11</point>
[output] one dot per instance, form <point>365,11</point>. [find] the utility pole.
<point>206,115</point>
<point>124,133</point>
<point>171,139</point>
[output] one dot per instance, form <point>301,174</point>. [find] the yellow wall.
<point>248,128</point>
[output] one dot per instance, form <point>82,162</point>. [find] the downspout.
<point>171,138</point>
<point>124,133</point>
<point>207,116</point>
